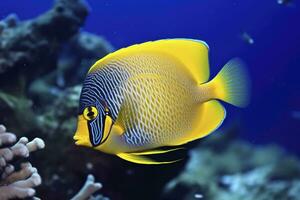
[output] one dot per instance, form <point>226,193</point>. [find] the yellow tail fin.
<point>232,84</point>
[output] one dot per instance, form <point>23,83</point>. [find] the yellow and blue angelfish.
<point>155,94</point>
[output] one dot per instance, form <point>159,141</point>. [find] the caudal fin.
<point>232,84</point>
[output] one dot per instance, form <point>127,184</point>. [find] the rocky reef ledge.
<point>42,64</point>
<point>33,45</point>
<point>233,170</point>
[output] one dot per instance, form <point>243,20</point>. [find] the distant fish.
<point>247,38</point>
<point>155,94</point>
<point>284,2</point>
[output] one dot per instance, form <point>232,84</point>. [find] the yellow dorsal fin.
<point>210,116</point>
<point>142,159</point>
<point>156,151</point>
<point>192,53</point>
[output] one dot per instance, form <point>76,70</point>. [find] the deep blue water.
<point>273,60</point>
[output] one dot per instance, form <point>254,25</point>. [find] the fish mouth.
<point>76,141</point>
<point>81,142</point>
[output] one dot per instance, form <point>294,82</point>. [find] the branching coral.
<point>42,62</point>
<point>88,189</point>
<point>17,183</point>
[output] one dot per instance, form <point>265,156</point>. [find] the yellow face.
<point>93,126</point>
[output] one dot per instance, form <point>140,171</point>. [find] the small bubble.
<point>198,196</point>
<point>89,166</point>
<point>55,177</point>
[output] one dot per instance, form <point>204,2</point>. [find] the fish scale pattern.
<point>159,102</point>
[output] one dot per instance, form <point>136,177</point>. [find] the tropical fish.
<point>247,38</point>
<point>153,95</point>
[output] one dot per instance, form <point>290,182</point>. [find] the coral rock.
<point>238,171</point>
<point>33,44</point>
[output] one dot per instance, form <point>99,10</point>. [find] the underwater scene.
<point>146,100</point>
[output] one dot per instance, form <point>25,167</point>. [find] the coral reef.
<point>21,183</point>
<point>30,49</point>
<point>237,171</point>
<point>17,183</point>
<point>41,60</point>
<point>33,45</point>
<point>88,189</point>
<point>42,64</point>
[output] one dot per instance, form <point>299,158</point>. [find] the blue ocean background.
<point>273,60</point>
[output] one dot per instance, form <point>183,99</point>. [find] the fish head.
<point>94,125</point>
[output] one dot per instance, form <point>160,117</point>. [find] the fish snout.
<point>75,138</point>
<point>81,141</point>
<point>81,135</point>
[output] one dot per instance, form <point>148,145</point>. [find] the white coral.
<point>88,189</point>
<point>17,184</point>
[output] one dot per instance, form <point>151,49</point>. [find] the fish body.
<point>152,95</point>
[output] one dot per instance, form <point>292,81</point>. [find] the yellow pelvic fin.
<point>142,159</point>
<point>209,117</point>
<point>193,54</point>
<point>231,84</point>
<point>156,151</point>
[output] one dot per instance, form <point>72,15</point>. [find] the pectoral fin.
<point>142,159</point>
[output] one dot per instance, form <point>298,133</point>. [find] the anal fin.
<point>156,151</point>
<point>142,159</point>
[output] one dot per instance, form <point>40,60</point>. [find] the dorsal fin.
<point>192,53</point>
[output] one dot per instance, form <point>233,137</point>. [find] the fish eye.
<point>90,113</point>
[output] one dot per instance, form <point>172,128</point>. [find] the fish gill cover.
<point>46,51</point>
